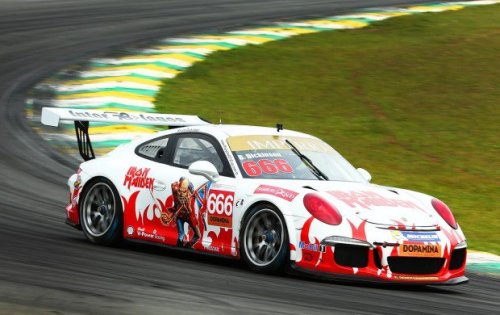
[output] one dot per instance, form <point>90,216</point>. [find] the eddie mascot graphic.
<point>183,212</point>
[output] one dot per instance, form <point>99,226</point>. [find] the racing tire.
<point>101,212</point>
<point>264,240</point>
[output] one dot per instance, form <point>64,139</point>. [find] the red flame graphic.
<point>358,232</point>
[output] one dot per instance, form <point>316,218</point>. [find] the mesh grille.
<point>457,258</point>
<point>351,255</point>
<point>415,265</point>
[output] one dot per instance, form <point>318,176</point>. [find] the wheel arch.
<point>289,222</point>
<point>93,179</point>
<point>118,200</point>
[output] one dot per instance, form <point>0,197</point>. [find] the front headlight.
<point>334,240</point>
<point>461,245</point>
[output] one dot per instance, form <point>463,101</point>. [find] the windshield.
<point>271,157</point>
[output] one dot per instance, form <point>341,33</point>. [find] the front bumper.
<point>417,262</point>
<point>294,269</point>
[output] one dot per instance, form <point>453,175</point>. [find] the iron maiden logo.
<point>138,177</point>
<point>366,199</point>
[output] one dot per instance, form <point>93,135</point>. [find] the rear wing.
<point>52,116</point>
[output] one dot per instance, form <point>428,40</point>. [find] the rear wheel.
<point>101,214</point>
<point>264,239</point>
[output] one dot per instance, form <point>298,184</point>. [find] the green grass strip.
<point>413,99</point>
<point>134,75</point>
<point>117,89</point>
<point>201,44</point>
<point>120,106</point>
<point>161,64</point>
<point>484,268</point>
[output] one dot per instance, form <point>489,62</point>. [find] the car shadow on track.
<point>238,267</point>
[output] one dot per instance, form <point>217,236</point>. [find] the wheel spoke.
<point>102,225</point>
<point>263,237</point>
<point>267,253</point>
<point>258,245</point>
<point>105,196</point>
<point>95,219</point>
<point>260,251</point>
<point>99,209</point>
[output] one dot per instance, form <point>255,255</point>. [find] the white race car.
<point>278,199</point>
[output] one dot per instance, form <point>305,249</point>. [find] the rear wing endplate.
<point>52,116</point>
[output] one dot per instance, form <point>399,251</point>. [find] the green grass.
<point>415,100</point>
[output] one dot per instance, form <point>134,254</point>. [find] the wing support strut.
<point>83,138</point>
<point>52,116</point>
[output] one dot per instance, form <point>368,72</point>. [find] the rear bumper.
<point>72,209</point>
<point>73,224</point>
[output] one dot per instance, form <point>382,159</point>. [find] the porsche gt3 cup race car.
<point>277,199</point>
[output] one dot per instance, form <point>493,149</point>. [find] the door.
<point>195,212</point>
<point>141,209</point>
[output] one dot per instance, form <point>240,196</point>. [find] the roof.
<point>222,131</point>
<point>240,130</point>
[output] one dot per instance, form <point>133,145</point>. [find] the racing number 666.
<point>253,168</point>
<point>220,202</point>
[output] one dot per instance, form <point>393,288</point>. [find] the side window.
<point>192,149</point>
<point>153,149</point>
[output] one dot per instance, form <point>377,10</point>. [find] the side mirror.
<point>205,169</point>
<point>364,173</point>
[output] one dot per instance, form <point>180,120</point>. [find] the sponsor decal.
<point>367,199</point>
<point>78,181</point>
<point>415,278</point>
<point>76,192</point>
<point>258,155</point>
<point>282,193</point>
<point>230,157</point>
<point>72,207</point>
<point>397,235</point>
<point>244,143</point>
<point>220,186</point>
<point>130,230</point>
<point>239,203</point>
<point>220,208</point>
<point>138,177</point>
<point>141,232</point>
<point>312,247</point>
<point>211,248</point>
<point>187,129</point>
<point>420,236</point>
<point>420,250</point>
<point>126,116</point>
<point>413,236</point>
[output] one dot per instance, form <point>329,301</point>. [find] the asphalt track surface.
<point>46,266</point>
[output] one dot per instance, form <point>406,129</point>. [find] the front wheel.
<point>265,239</point>
<point>101,214</point>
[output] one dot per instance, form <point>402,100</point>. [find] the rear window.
<point>153,149</point>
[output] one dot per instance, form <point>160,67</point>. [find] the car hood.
<point>373,203</point>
